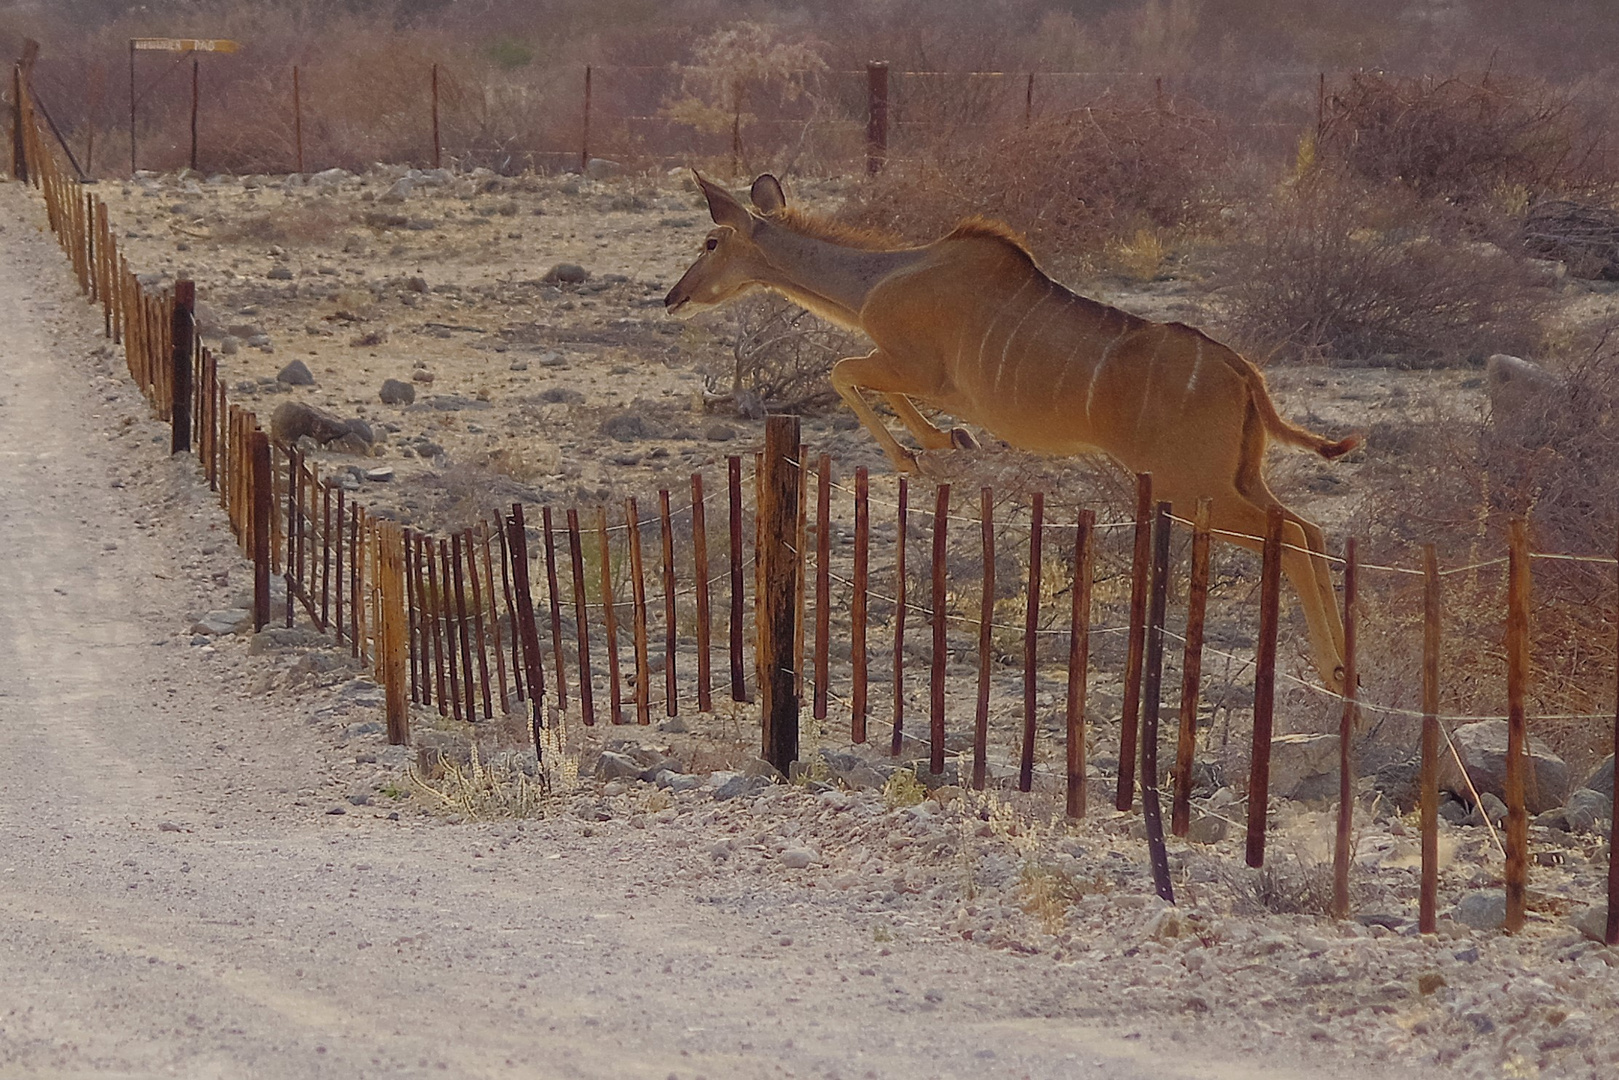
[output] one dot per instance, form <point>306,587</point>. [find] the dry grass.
<point>479,791</point>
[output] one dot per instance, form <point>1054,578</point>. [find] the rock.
<point>396,392</point>
<point>738,786</point>
<point>1602,779</point>
<point>1453,810</point>
<point>1399,782</point>
<point>677,781</point>
<point>1304,760</point>
<point>1483,910</point>
<point>719,433</point>
<point>603,169</point>
<point>797,858</point>
<point>422,375</point>
<point>614,766</point>
<point>292,420</point>
<point>1521,395</point>
<point>361,430</point>
<point>227,621</point>
<point>296,373</point>
<point>382,474</point>
<point>1483,749</point>
<point>624,426</point>
<point>566,274</point>
<point>280,273</point>
<point>561,395</point>
<point>851,770</point>
<point>1488,807</point>
<point>230,345</point>
<point>1588,811</point>
<point>1593,922</point>
<point>1207,829</point>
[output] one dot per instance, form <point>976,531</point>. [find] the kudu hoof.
<point>962,439</point>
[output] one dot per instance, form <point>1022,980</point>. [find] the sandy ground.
<point>211,865</point>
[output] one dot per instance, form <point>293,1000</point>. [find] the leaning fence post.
<point>1140,567</point>
<point>1517,680</point>
<point>517,545</point>
<point>1152,686</point>
<point>1346,729</point>
<point>780,568</point>
<point>876,115</point>
<point>1428,885</point>
<point>1270,588</point>
<point>183,343</point>
<point>392,643</point>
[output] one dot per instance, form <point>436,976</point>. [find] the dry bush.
<point>1334,271</point>
<point>782,355</point>
<point>1071,184</point>
<point>293,223</point>
<point>1462,140</point>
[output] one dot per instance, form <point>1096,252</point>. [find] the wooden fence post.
<point>1517,843</point>
<point>437,149</point>
<point>1197,600</point>
<point>183,323</point>
<point>876,116</point>
<point>526,631</point>
<point>1611,934</point>
<point>1152,686</point>
<point>1079,647</point>
<point>941,518</point>
<point>392,631</point>
<point>1270,587</point>
<point>1346,731</point>
<point>780,569</point>
<point>986,619</point>
<point>1428,885</point>
<point>263,503</point>
<point>584,138</point>
<point>1031,631</point>
<point>297,118</point>
<point>1140,570</point>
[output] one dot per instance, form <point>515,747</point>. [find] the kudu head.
<point>730,262</point>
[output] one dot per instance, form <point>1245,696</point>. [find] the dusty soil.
<point>213,866</point>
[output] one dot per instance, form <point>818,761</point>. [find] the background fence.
<point>427,613</point>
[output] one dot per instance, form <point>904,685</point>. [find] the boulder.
<point>566,273</point>
<point>1522,394</point>
<point>296,373</point>
<point>1601,779</point>
<point>1483,750</point>
<point>1588,811</point>
<point>1483,910</point>
<point>293,420</point>
<point>1304,766</point>
<point>603,169</point>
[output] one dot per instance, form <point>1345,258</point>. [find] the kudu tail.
<point>1286,431</point>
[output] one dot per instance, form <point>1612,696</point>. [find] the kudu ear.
<point>767,195</point>
<point>724,207</point>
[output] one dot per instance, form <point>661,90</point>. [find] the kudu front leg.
<point>929,434</point>
<point>877,373</point>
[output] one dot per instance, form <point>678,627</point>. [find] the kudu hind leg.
<point>1237,514</point>
<point>930,435</point>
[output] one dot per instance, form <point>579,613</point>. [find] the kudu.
<point>970,325</point>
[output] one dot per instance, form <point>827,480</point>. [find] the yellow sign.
<point>162,44</point>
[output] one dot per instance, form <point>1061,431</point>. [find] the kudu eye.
<point>712,243</point>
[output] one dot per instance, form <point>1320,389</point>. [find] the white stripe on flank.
<point>1107,354</point>
<point>1024,357</point>
<point>990,329</point>
<point>1146,386</point>
<point>1068,365</point>
<point>1191,383</point>
<point>1006,347</point>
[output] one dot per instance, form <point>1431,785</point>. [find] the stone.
<point>624,426</point>
<point>1521,395</point>
<point>561,395</point>
<point>797,858</point>
<point>296,373</point>
<point>738,786</point>
<point>1301,760</point>
<point>1602,778</point>
<point>603,169</point>
<point>677,781</point>
<point>422,375</point>
<point>719,432</point>
<point>1588,811</point>
<point>280,273</point>
<point>382,474</point>
<point>396,392</point>
<point>1489,807</point>
<point>293,420</point>
<point>1482,747</point>
<point>1593,922</point>
<point>1453,810</point>
<point>1483,910</point>
<point>1399,783</point>
<point>566,274</point>
<point>227,621</point>
<point>1207,829</point>
<point>615,766</point>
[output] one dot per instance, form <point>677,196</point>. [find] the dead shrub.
<point>782,355</point>
<point>1332,271</point>
<point>1072,184</point>
<point>1462,140</point>
<point>293,223</point>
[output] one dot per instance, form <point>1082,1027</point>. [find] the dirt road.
<point>185,891</point>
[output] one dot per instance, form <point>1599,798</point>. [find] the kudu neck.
<point>830,279</point>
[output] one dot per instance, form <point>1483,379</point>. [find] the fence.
<point>425,611</point>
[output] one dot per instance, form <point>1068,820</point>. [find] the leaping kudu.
<point>970,324</point>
